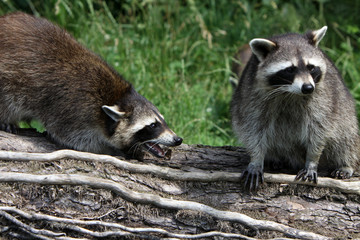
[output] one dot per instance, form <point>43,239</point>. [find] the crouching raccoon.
<point>82,102</point>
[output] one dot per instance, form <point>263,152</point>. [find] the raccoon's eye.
<point>310,67</point>
<point>153,125</point>
<point>315,72</point>
<point>290,70</point>
<point>283,77</point>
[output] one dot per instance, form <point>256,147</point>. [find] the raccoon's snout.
<point>307,88</point>
<point>177,141</point>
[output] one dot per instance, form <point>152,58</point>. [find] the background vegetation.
<point>178,53</point>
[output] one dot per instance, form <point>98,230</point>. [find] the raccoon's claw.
<point>254,174</point>
<point>307,175</point>
<point>342,173</point>
<point>10,128</point>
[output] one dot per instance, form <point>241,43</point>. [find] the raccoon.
<point>83,103</point>
<point>292,105</point>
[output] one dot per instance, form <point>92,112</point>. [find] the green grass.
<point>178,53</point>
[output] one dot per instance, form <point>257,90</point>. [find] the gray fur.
<point>277,122</point>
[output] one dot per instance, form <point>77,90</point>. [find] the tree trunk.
<point>195,192</point>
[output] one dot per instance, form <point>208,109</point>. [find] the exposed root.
<point>175,174</point>
<point>74,224</point>
<point>161,202</point>
<point>41,233</point>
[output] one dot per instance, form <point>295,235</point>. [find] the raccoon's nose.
<point>177,141</point>
<point>307,88</point>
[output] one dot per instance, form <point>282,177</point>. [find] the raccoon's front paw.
<point>307,174</point>
<point>252,175</point>
<point>342,173</point>
<point>10,128</point>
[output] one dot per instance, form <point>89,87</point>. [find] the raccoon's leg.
<point>345,159</point>
<point>312,161</point>
<point>254,171</point>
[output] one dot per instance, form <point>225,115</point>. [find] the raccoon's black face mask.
<point>148,137</point>
<point>154,134</point>
<point>140,129</point>
<point>296,72</point>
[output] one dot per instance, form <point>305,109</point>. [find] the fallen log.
<point>50,193</point>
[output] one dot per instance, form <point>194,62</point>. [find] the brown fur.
<point>46,75</point>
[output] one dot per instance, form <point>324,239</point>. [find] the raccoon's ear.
<point>261,47</point>
<point>113,112</point>
<point>316,36</point>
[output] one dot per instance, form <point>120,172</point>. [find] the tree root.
<point>28,228</point>
<point>73,224</point>
<point>161,202</point>
<point>175,174</point>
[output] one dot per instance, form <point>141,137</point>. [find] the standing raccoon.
<point>291,104</point>
<point>81,101</point>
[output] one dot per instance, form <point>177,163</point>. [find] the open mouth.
<point>155,149</point>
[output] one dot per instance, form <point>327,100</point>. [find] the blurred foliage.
<point>178,53</point>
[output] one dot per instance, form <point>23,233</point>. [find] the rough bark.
<point>194,193</point>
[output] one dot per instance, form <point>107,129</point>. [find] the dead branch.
<point>147,198</point>
<point>175,174</point>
